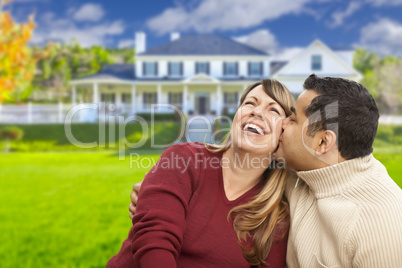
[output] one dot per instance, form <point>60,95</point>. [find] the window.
<point>150,69</point>
<point>316,62</point>
<point>149,99</point>
<point>230,68</point>
<point>108,97</point>
<point>202,67</point>
<point>176,98</point>
<point>126,98</point>
<point>230,99</point>
<point>255,68</point>
<point>175,69</point>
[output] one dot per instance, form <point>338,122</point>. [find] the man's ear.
<point>326,141</point>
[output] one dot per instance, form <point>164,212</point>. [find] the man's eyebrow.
<point>293,110</point>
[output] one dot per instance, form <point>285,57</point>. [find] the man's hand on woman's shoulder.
<point>134,198</point>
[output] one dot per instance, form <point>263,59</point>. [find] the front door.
<point>202,105</point>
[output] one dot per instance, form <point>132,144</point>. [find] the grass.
<point>64,209</point>
<point>70,209</point>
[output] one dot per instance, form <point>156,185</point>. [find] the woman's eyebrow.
<point>252,97</point>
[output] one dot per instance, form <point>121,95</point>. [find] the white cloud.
<point>89,12</point>
<point>212,15</point>
<point>261,39</point>
<point>126,43</point>
<point>339,16</point>
<point>52,28</point>
<point>287,53</point>
<point>383,37</point>
<point>385,2</point>
<point>264,40</point>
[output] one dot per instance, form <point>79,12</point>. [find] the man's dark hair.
<point>345,107</point>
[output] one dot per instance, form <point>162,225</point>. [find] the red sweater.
<point>181,218</point>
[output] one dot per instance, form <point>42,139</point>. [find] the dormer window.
<point>230,68</point>
<point>202,67</point>
<point>255,68</point>
<point>150,69</point>
<point>316,62</point>
<point>175,68</point>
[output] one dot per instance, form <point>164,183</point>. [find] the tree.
<point>17,63</point>
<point>65,62</point>
<point>382,77</point>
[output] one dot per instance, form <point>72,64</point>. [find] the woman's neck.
<point>241,171</point>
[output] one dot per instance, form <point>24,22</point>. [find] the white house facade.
<point>202,74</point>
<point>317,58</point>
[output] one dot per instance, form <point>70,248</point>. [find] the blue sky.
<point>281,27</point>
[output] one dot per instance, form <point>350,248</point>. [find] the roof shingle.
<point>203,44</point>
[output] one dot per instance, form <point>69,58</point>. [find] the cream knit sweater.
<point>345,215</point>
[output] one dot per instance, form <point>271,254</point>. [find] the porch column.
<point>133,99</point>
<point>244,88</point>
<point>185,102</point>
<point>219,100</point>
<point>96,96</point>
<point>74,95</point>
<point>159,96</point>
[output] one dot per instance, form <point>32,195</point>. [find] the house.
<point>202,74</point>
<point>317,58</point>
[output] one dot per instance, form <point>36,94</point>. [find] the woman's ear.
<point>327,141</point>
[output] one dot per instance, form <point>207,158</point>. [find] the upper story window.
<point>230,68</point>
<point>150,69</point>
<point>255,68</point>
<point>316,62</point>
<point>175,68</point>
<point>202,67</point>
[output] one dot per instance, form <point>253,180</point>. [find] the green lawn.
<point>64,209</point>
<point>70,209</point>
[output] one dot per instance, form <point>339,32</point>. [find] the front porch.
<point>140,98</point>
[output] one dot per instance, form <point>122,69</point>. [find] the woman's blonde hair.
<point>261,217</point>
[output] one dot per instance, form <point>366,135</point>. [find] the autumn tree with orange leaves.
<point>17,64</point>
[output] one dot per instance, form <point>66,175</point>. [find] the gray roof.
<point>276,66</point>
<point>204,44</point>
<point>113,72</point>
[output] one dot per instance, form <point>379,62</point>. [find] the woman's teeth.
<point>253,128</point>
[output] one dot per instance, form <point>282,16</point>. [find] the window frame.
<point>316,65</point>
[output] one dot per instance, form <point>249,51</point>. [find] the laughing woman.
<point>217,206</point>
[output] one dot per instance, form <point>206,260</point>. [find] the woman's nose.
<point>257,112</point>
